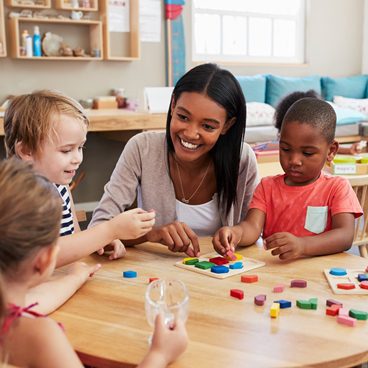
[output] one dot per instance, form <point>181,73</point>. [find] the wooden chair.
<point>360,186</point>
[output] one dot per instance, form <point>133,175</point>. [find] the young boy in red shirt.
<point>303,212</point>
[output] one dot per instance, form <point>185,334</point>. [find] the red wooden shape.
<point>345,286</point>
<point>333,310</point>
<point>219,261</point>
<point>249,278</point>
<point>236,293</point>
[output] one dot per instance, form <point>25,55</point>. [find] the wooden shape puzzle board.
<point>350,277</point>
<point>248,264</point>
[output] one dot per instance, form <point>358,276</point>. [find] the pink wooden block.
<point>346,320</point>
<point>343,312</point>
<point>260,299</point>
<point>231,256</point>
<point>298,283</point>
<point>278,288</point>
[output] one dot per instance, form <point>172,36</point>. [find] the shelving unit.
<point>2,31</point>
<point>89,32</point>
<point>29,4</point>
<point>121,45</point>
<point>81,5</point>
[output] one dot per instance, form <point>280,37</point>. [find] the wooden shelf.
<point>69,5</point>
<point>44,4</point>
<point>90,37</point>
<point>121,45</point>
<point>2,31</point>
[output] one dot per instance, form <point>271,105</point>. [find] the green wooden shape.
<point>304,304</point>
<point>204,265</point>
<point>314,303</point>
<point>191,262</point>
<point>363,316</point>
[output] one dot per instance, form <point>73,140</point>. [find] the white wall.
<point>334,36</point>
<point>365,39</point>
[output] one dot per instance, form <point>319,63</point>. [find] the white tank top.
<point>203,219</point>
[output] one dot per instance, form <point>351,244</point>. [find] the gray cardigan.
<point>143,168</point>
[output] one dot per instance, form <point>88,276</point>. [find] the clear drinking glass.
<point>170,297</point>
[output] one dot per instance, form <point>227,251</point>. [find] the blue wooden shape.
<point>284,303</point>
<point>219,269</point>
<point>363,277</point>
<point>236,265</point>
<point>129,274</point>
<point>336,271</point>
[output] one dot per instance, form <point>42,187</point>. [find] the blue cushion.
<point>346,116</point>
<point>353,87</point>
<point>279,87</point>
<point>254,88</point>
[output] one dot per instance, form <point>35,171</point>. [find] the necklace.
<point>186,200</point>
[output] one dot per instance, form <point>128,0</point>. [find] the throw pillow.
<point>279,87</point>
<point>259,114</point>
<point>346,116</point>
<point>254,88</point>
<point>359,104</point>
<point>353,87</point>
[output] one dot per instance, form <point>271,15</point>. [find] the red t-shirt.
<point>303,210</point>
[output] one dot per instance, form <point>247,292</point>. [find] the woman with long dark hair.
<point>198,176</point>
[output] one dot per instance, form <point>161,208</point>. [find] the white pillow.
<point>259,113</point>
<point>359,104</point>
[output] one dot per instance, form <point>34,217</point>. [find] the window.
<point>248,30</point>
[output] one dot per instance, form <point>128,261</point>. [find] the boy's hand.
<point>226,239</point>
<point>287,246</point>
<point>168,342</point>
<point>177,236</point>
<point>133,224</point>
<point>82,271</point>
<point>114,250</point>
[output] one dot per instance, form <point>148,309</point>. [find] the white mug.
<point>76,15</point>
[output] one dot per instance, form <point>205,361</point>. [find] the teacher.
<point>199,175</point>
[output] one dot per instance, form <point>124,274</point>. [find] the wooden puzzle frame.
<point>350,277</point>
<point>248,264</point>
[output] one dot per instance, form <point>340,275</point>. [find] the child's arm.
<point>127,225</point>
<point>167,344</point>
<point>245,233</point>
<point>338,239</point>
<point>52,294</point>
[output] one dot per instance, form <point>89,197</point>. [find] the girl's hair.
<point>28,118</point>
<point>30,213</point>
<point>284,105</point>
<point>223,88</point>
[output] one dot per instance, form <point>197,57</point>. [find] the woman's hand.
<point>177,236</point>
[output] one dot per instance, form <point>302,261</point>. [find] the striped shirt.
<point>67,226</point>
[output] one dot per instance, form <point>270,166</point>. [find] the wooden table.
<point>111,120</point>
<point>105,320</point>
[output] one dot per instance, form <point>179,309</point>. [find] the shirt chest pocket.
<point>316,219</point>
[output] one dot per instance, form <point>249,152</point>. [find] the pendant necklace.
<point>187,200</point>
